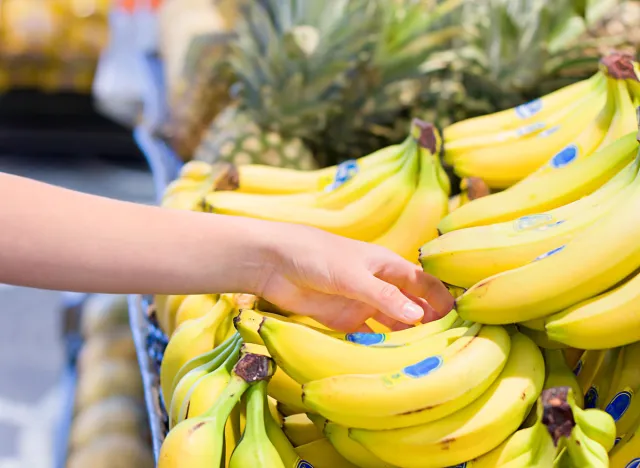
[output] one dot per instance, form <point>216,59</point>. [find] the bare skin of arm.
<point>53,238</point>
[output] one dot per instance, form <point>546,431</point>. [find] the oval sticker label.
<point>527,129</point>
<point>424,367</point>
<point>529,109</point>
<point>531,221</point>
<point>635,463</point>
<point>549,131</point>
<point>578,368</point>
<point>366,339</point>
<point>550,253</point>
<point>304,464</point>
<point>344,172</point>
<point>591,398</point>
<point>619,405</point>
<point>564,157</point>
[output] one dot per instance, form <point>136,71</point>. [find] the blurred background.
<point>110,96</point>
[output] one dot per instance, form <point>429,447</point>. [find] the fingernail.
<point>412,312</point>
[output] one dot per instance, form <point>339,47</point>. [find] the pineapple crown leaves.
<point>293,58</point>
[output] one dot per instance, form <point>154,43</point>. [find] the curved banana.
<point>300,429</point>
<point>192,339</point>
<point>202,393</point>
<point>535,111</point>
<point>473,430</point>
<point>321,454</point>
<point>425,391</point>
<point>166,310</point>
<point>183,388</point>
<point>606,321</point>
<point>199,442</point>
<point>526,448</point>
<point>306,354</point>
<point>255,449</point>
<point>419,220</point>
<point>364,219</point>
<point>584,451</point>
<point>598,391</point>
<point>626,453</point>
<point>541,339</point>
<point>569,181</point>
<point>279,440</point>
<point>262,179</point>
<point>192,307</point>
<point>504,165</point>
<point>350,449</point>
<point>233,431</point>
<point>563,277</point>
<point>589,366</point>
<point>467,256</point>
<point>558,374</point>
<point>287,391</point>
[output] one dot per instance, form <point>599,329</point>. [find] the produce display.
<point>110,426</point>
<point>52,45</point>
<point>536,366</point>
<point>343,79</point>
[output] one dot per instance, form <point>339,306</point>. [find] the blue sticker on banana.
<point>304,464</point>
<point>527,129</point>
<point>529,109</point>
<point>531,221</point>
<point>344,172</point>
<point>366,339</point>
<point>619,405</point>
<point>564,157</point>
<point>424,367</point>
<point>578,368</point>
<point>550,253</point>
<point>635,463</point>
<point>591,398</point>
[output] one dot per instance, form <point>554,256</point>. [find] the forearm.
<point>54,238</point>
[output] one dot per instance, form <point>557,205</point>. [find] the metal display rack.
<point>149,339</point>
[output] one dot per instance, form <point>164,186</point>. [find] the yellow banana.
<point>476,428</point>
<point>166,310</point>
<point>192,307</point>
<point>365,219</point>
<point>419,220</point>
<point>300,429</point>
<point>192,339</point>
<point>287,391</point>
<point>321,454</point>
<point>559,374</point>
<point>535,111</point>
<point>608,320</point>
<point>563,277</point>
<point>279,440</point>
<point>350,449</point>
<point>500,168</point>
<point>255,449</point>
<point>256,178</point>
<point>427,390</point>
<point>597,394</point>
<point>199,442</point>
<point>626,453</point>
<point>467,256</point>
<point>590,364</point>
<point>306,354</point>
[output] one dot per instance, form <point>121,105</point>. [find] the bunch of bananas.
<point>566,125</point>
<point>394,197</point>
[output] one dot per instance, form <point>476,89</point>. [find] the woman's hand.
<point>342,283</point>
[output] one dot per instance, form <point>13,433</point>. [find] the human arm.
<point>54,238</point>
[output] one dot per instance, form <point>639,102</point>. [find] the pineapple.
<point>196,42</point>
<point>513,51</point>
<point>292,59</point>
<point>381,94</point>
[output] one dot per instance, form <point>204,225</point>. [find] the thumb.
<point>388,299</point>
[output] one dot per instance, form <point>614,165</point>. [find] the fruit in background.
<point>108,379</point>
<point>475,429</point>
<point>116,415</point>
<point>192,307</point>
<point>102,312</point>
<point>112,451</point>
<point>115,344</point>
